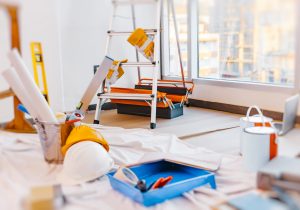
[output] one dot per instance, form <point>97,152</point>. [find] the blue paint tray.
<point>185,178</point>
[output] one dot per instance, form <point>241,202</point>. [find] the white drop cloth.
<point>22,166</point>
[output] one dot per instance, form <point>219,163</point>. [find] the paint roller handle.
<point>259,113</point>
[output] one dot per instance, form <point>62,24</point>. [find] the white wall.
<point>38,22</point>
<point>83,29</point>
<point>6,105</point>
<point>269,100</point>
<point>73,37</point>
<point>83,32</point>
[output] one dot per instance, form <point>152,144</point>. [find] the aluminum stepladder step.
<point>155,65</point>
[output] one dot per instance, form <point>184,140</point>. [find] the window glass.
<point>247,40</point>
<point>181,19</point>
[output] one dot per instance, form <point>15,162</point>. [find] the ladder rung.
<point>124,2</point>
<point>126,96</point>
<point>163,83</point>
<point>140,64</point>
<point>122,33</point>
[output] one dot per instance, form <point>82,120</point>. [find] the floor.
<point>195,121</point>
<point>200,127</point>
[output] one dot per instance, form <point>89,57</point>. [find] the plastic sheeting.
<point>22,166</point>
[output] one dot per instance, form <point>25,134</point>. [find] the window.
<point>181,19</point>
<point>247,40</point>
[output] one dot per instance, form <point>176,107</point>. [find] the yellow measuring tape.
<point>39,68</point>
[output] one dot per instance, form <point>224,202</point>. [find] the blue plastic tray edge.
<point>143,197</point>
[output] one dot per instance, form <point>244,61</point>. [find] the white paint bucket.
<point>259,146</point>
<point>252,121</point>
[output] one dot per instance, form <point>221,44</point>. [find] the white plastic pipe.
<point>39,101</point>
<point>16,85</point>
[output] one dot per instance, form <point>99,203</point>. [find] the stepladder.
<point>150,63</point>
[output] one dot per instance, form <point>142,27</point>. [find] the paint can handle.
<point>259,113</point>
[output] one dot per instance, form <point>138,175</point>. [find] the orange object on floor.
<point>160,97</point>
<point>173,88</point>
<point>164,83</point>
<point>138,103</point>
<point>176,98</point>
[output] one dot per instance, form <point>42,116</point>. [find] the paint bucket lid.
<point>260,130</point>
<point>256,119</point>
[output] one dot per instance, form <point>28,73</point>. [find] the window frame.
<point>193,63</point>
<point>165,56</point>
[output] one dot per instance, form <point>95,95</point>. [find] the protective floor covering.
<point>195,121</point>
<point>22,166</point>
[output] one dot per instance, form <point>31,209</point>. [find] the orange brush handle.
<point>161,182</point>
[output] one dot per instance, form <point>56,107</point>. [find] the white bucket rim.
<point>257,119</point>
<point>260,130</point>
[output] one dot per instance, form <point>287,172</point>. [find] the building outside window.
<point>182,24</point>
<point>247,40</point>
<point>240,40</point>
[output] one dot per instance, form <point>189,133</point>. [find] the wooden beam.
<point>19,123</point>
<point>14,22</point>
<point>6,93</point>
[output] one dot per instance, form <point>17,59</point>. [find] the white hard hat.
<point>85,161</point>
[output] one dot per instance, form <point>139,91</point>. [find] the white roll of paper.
<point>16,85</point>
<point>41,105</point>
